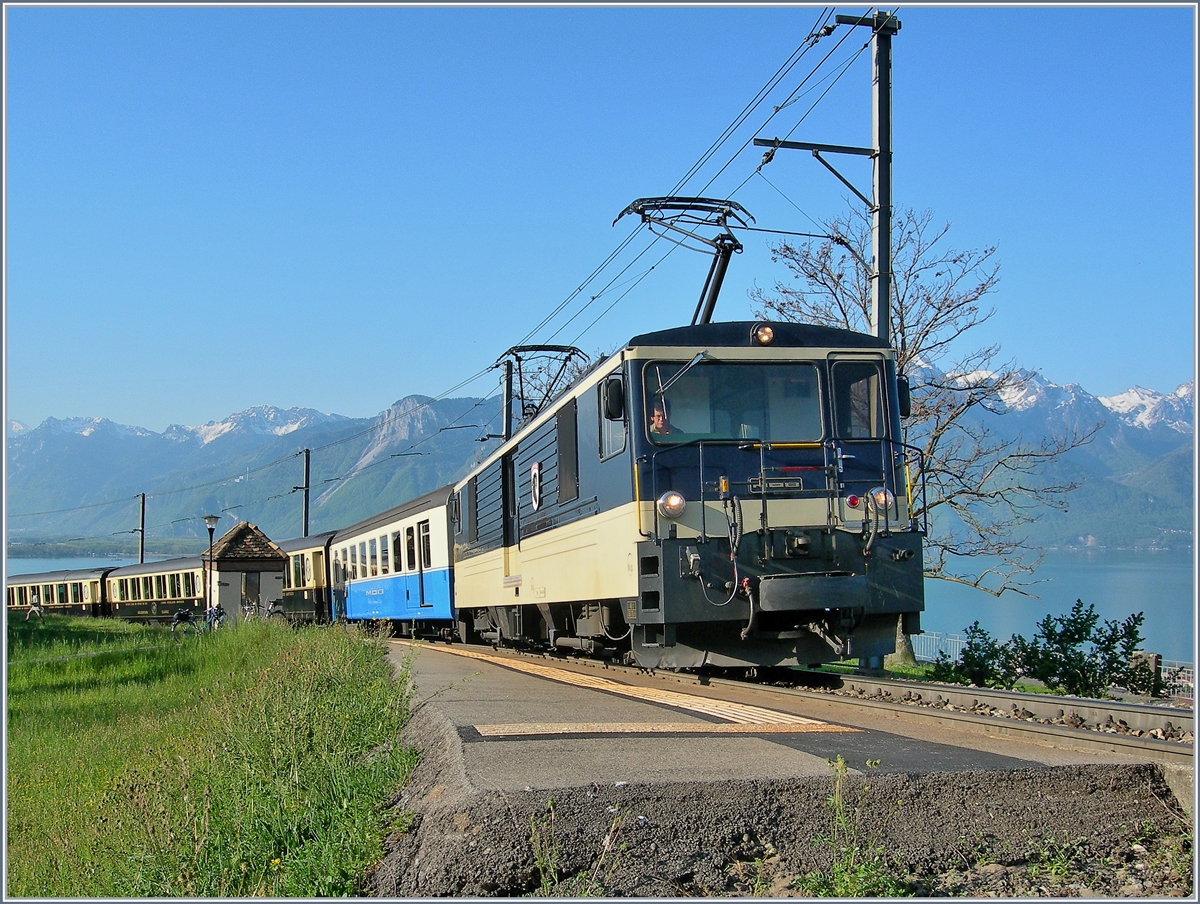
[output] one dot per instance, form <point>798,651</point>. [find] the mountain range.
<point>77,481</point>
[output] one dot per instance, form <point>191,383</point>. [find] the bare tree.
<point>981,489</point>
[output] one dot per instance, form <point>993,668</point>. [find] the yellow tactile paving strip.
<point>633,728</point>
<point>744,719</point>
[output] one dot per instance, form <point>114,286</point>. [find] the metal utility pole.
<point>883,25</point>
<point>307,454</point>
<point>142,532</point>
<point>507,420</point>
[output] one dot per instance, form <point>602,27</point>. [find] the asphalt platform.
<point>541,723</point>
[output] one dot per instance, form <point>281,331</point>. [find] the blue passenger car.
<point>395,566</point>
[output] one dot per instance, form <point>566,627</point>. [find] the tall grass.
<point>249,761</point>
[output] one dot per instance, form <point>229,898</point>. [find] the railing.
<point>832,455</point>
<point>1178,677</point>
<point>927,646</point>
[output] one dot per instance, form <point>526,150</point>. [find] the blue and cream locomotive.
<point>762,518</point>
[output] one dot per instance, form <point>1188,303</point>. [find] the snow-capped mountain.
<point>89,426</point>
<point>262,420</point>
<point>85,471</point>
<point>1139,463</point>
<point>1146,408</point>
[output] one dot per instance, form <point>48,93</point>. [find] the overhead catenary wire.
<point>811,41</point>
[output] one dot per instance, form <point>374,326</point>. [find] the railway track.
<point>1162,734</point>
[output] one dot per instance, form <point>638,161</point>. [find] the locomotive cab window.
<point>858,407</point>
<point>724,401</point>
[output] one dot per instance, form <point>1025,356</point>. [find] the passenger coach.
<point>306,579</point>
<point>396,566</point>
<point>75,592</point>
<point>154,591</point>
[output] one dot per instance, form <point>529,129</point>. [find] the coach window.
<point>189,586</point>
<point>410,543</point>
<point>353,561</point>
<point>298,571</point>
<point>374,558</point>
<point>384,564</point>
<point>426,549</point>
<point>175,585</point>
<point>62,594</point>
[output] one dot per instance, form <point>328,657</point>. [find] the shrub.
<point>1070,654</point>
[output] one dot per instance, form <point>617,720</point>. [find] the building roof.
<point>243,542</point>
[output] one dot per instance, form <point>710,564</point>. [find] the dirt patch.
<point>1080,830</point>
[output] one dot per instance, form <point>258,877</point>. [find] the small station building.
<point>247,569</point>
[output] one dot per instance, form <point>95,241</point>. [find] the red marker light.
<point>852,501</point>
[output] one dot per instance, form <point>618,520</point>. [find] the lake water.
<point>1118,582</point>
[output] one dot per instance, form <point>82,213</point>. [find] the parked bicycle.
<point>274,611</point>
<point>182,622</point>
<point>214,618</point>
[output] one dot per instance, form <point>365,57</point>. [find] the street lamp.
<point>210,521</point>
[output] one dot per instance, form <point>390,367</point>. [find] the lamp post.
<point>210,521</point>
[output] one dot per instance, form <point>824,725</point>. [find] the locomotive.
<point>769,524</point>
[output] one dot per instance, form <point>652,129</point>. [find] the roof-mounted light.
<point>762,334</point>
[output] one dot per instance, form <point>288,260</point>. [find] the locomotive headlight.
<point>763,334</point>
<point>671,505</point>
<point>880,499</point>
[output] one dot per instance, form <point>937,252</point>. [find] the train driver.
<point>660,417</point>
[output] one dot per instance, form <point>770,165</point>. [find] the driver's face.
<point>657,418</point>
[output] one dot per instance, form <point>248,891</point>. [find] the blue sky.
<point>214,208</point>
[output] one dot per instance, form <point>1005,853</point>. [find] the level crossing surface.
<point>528,722</point>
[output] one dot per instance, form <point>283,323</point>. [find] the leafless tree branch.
<point>982,490</point>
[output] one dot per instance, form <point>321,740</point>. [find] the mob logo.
<point>535,485</point>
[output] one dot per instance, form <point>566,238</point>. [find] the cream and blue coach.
<point>396,566</point>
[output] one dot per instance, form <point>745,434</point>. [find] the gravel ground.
<point>1076,831</point>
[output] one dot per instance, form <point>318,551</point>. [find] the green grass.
<point>249,761</point>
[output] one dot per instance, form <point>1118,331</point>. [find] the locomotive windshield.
<point>714,401</point>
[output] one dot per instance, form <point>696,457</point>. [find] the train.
<point>727,495</point>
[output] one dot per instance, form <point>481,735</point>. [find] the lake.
<point>1119,583</point>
